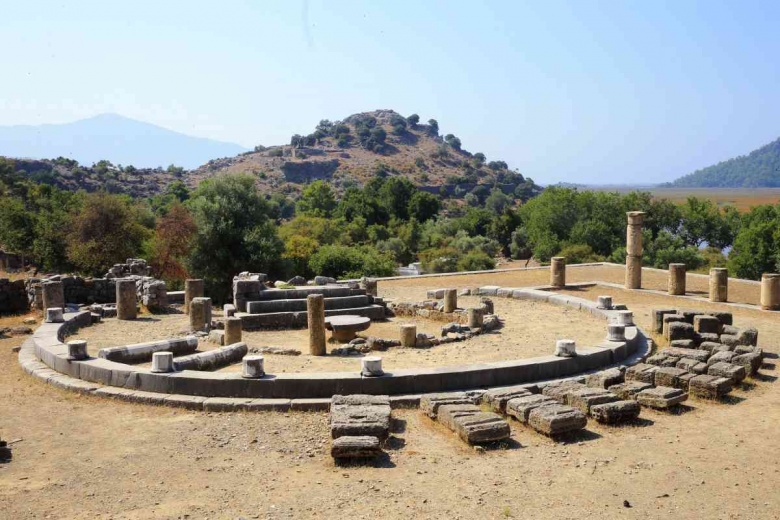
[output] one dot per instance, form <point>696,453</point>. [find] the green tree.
<point>423,206</point>
<point>433,127</point>
<point>17,227</point>
<point>757,244</point>
<point>413,120</point>
<point>317,200</point>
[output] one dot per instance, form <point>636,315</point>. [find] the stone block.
<point>748,336</point>
<point>560,391</point>
<point>697,354</point>
<point>729,339</point>
<point>217,336</point>
<point>520,407</point>
<point>481,428</point>
<point>556,419</point>
<point>430,403</point>
<point>355,447</point>
<point>658,319</point>
<point>736,373</point>
<point>629,389</point>
<point>360,415</point>
<point>498,397</point>
<point>679,330</point>
<point>615,412</point>
<point>605,378</point>
<point>642,373</point>
<point>751,362</point>
<point>662,360</point>
<point>720,357</point>
<point>701,337</point>
<point>707,324</point>
<point>709,386</point>
<point>691,365</point>
<point>584,399</point>
<point>683,343</point>
<point>449,412</point>
<point>709,346</point>
<point>661,397</point>
<point>669,376</point>
<point>725,318</point>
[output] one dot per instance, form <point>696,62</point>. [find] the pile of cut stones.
<point>359,424</point>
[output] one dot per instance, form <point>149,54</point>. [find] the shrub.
<point>579,254</point>
<point>476,261</point>
<point>351,262</point>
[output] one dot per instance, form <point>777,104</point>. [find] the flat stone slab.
<point>556,419</point>
<point>642,372</point>
<point>615,412</point>
<point>721,357</point>
<point>691,353</point>
<point>561,391</point>
<point>355,447</point>
<point>481,428</point>
<point>449,412</point>
<point>736,373</point>
<point>709,387</point>
<point>629,389</point>
<point>520,407</point>
<point>348,322</point>
<point>692,365</point>
<point>584,399</point>
<point>360,415</point>
<point>669,376</point>
<point>662,360</point>
<point>605,378</point>
<point>661,397</point>
<point>497,398</point>
<point>430,403</point>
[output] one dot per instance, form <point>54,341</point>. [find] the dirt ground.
<point>530,329</point>
<point>87,457</point>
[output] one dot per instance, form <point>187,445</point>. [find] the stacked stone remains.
<point>246,288</point>
<point>133,267</point>
<point>661,397</point>
<point>472,425</point>
<point>556,419</point>
<point>212,359</point>
<point>126,303</point>
<point>634,249</point>
<point>498,398</point>
<point>13,297</point>
<point>430,403</point>
<point>357,424</point>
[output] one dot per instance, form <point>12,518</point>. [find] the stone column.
<point>634,249</point>
<point>253,366</point>
<point>371,366</point>
<point>409,335</point>
<point>719,284</point>
<point>193,288</point>
<point>315,316</point>
<point>475,318</point>
<point>558,272</point>
<point>232,330</point>
<point>126,299</point>
<point>53,295</point>
<point>565,348</point>
<point>604,302</point>
<point>162,362</point>
<point>770,292</point>
<point>450,300</point>
<point>200,313</point>
<point>77,349</point>
<point>616,332</point>
<point>676,279</point>
<point>54,315</point>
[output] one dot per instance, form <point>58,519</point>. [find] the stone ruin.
<point>133,267</point>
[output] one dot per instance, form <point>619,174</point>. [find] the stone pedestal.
<point>315,315</point>
<point>558,272</point>
<point>54,315</point>
<point>616,332</point>
<point>193,288</point>
<point>634,249</point>
<point>371,366</point>
<point>409,335</point>
<point>450,300</point>
<point>200,313</point>
<point>624,318</point>
<point>126,300</point>
<point>604,302</point>
<point>770,292</point>
<point>53,295</point>
<point>475,318</point>
<point>253,366</point>
<point>676,279</point>
<point>232,330</point>
<point>719,284</point>
<point>565,348</point>
<point>162,362</point>
<point>77,349</point>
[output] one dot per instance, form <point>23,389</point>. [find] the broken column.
<point>634,249</point>
<point>315,316</point>
<point>565,348</point>
<point>676,279</point>
<point>719,284</point>
<point>77,349</point>
<point>232,330</point>
<point>475,318</point>
<point>371,366</point>
<point>200,313</point>
<point>53,295</point>
<point>162,362</point>
<point>193,288</point>
<point>770,292</point>
<point>252,366</point>
<point>126,303</point>
<point>450,300</point>
<point>409,335</point>
<point>54,315</point>
<point>558,272</point>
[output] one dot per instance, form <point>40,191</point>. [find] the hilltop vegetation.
<point>759,169</point>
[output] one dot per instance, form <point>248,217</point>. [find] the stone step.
<point>300,293</point>
<point>297,319</point>
<point>355,447</point>
<point>331,302</point>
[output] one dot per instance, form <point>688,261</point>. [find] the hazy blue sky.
<point>623,92</point>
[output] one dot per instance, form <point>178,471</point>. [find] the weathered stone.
<point>709,346</point>
<point>560,391</point>
<point>193,288</point>
<point>676,279</point>
<point>558,271</point>
<point>355,447</point>
<point>725,318</point>
<point>605,378</point>
<point>708,324</point>
<point>252,366</point>
<point>658,319</point>
<point>520,407</point>
<point>430,403</point>
<point>623,317</point>
<point>662,360</point>
<point>126,303</point>
<point>212,359</point>
<point>584,399</point>
<point>750,361</point>
<point>669,376</point>
<point>54,315</point>
<point>475,318</point>
<point>719,284</point>
<point>604,302</point>
<point>315,318</point>
<point>279,351</point>
<point>498,397</point>
<point>641,372</point>
<point>679,330</point>
<point>481,428</point>
<point>450,300</point>
<point>720,347</point>
<point>371,366</point>
<point>77,349</point>
<point>297,281</point>
<point>683,343</point>
<point>701,337</point>
<point>770,291</point>
<point>720,357</point>
<point>565,348</point>
<point>53,295</point>
<point>162,362</point>
<point>615,412</point>
<point>408,335</point>
<point>671,318</point>
<point>217,336</point>
<point>629,389</point>
<point>729,339</point>
<point>228,310</point>
<point>692,353</point>
<point>748,336</point>
<point>232,330</point>
<point>556,419</point>
<point>709,386</point>
<point>616,332</point>
<point>449,412</point>
<point>634,249</point>
<point>661,397</point>
<point>690,365</point>
<point>736,373</point>
<point>360,415</point>
<point>324,280</point>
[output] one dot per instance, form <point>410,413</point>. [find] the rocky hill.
<point>758,169</point>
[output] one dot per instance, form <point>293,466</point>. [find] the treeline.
<point>227,225</point>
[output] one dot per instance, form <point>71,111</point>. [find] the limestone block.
<point>678,330</point>
<point>556,419</point>
<point>721,357</point>
<point>481,428</point>
<point>661,397</point>
<point>193,288</point>
<point>371,366</point>
<point>676,279</point>
<point>565,348</point>
<point>587,397</point>
<point>671,318</point>
<point>658,318</point>
<point>750,361</point>
<point>126,303</point>
<point>669,376</point>
<point>228,310</point>
<point>616,332</point>
<point>662,360</point>
<point>700,355</point>
<point>430,403</point>
<point>53,294</point>
<point>709,386</point>
<point>54,315</point>
<point>558,271</point>
<point>701,337</point>
<point>355,447</point>
<point>629,389</point>
<point>710,346</point>
<point>560,391</point>
<point>605,378</point>
<point>736,373</point>
<point>233,329</point>
<point>200,313</point>
<point>683,343</point>
<point>359,415</point>
<point>408,335</point>
<point>520,407</point>
<point>706,324</point>
<point>315,318</point>
<point>448,413</point>
<point>624,318</point>
<point>770,291</point>
<point>615,412</point>
<point>77,349</point>
<point>211,359</point>
<point>252,366</point>
<point>691,365</point>
<point>162,362</point>
<point>719,284</point>
<point>217,336</point>
<point>475,318</point>
<point>641,372</point>
<point>450,300</point>
<point>604,302</point>
<point>498,397</point>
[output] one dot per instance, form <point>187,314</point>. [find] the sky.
<point>624,92</point>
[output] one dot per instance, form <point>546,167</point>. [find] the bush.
<point>351,262</point>
<point>579,254</point>
<point>440,260</point>
<point>476,261</point>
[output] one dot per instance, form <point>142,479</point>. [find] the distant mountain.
<point>759,169</point>
<point>114,138</point>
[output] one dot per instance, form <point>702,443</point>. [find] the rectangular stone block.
<point>689,315</point>
<point>615,412</point>
<point>751,362</point>
<point>709,386</point>
<point>355,447</point>
<point>725,318</point>
<point>560,391</point>
<point>679,330</point>
<point>708,324</point>
<point>520,407</point>
<point>669,376</point>
<point>583,400</point>
<point>736,373</point>
<point>661,397</point>
<point>692,365</point>
<point>629,389</point>
<point>430,403</point>
<point>482,428</point>
<point>556,419</point>
<point>449,412</point>
<point>662,360</point>
<point>360,415</point>
<point>658,319</point>
<point>701,337</point>
<point>497,398</point>
<point>692,353</point>
<point>683,343</point>
<point>720,357</point>
<point>641,372</point>
<point>709,346</point>
<point>729,339</point>
<point>605,378</point>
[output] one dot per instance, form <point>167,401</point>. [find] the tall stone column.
<point>193,288</point>
<point>53,295</point>
<point>634,249</point>
<point>315,317</point>
<point>719,284</point>
<point>770,292</point>
<point>126,300</point>
<point>200,313</point>
<point>450,300</point>
<point>233,328</point>
<point>558,272</point>
<point>676,279</point>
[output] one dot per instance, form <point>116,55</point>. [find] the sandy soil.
<point>85,457</point>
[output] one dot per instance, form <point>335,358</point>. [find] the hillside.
<point>759,169</point>
<point>114,138</point>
